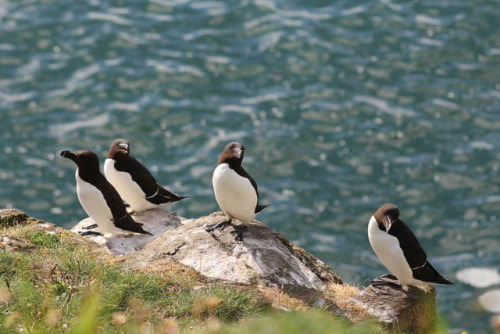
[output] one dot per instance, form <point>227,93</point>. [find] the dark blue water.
<point>342,106</point>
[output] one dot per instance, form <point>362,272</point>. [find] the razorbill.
<point>98,197</point>
<point>133,181</point>
<point>399,250</point>
<point>235,190</point>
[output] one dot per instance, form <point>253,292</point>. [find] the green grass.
<point>295,323</point>
<point>60,285</point>
<point>40,238</point>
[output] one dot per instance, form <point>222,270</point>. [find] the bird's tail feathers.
<point>260,207</point>
<point>164,195</point>
<point>128,223</point>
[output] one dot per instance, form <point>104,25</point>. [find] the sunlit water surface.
<point>342,106</point>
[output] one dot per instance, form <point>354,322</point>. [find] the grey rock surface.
<point>403,309</point>
<point>263,257</point>
<point>156,222</point>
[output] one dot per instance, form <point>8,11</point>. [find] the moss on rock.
<point>13,217</point>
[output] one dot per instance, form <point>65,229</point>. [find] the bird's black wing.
<point>242,172</point>
<point>427,273</point>
<point>154,192</point>
<point>139,174</point>
<point>164,195</point>
<point>413,252</point>
<point>121,218</point>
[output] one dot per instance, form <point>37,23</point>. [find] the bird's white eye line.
<point>390,222</point>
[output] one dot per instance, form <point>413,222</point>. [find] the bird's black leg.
<point>221,225</point>
<point>389,276</point>
<point>89,227</point>
<point>239,232</point>
<point>383,280</point>
<point>89,233</point>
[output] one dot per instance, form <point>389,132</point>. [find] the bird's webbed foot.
<point>386,279</point>
<point>221,225</point>
<point>89,233</point>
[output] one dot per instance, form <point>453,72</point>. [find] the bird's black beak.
<point>69,155</point>
<point>124,148</point>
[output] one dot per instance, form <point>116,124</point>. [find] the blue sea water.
<point>342,106</point>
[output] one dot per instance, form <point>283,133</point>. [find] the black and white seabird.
<point>399,250</point>
<point>133,181</point>
<point>98,197</point>
<point>235,190</point>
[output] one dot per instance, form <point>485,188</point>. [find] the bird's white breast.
<point>389,252</point>
<point>129,191</point>
<point>235,194</point>
<point>94,204</point>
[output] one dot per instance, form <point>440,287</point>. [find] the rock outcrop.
<point>407,309</point>
<point>263,258</point>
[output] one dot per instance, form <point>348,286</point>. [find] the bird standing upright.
<point>98,197</point>
<point>235,190</point>
<point>133,181</point>
<point>399,250</point>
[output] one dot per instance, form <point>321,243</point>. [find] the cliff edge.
<point>289,277</point>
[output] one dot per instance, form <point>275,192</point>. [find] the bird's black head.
<point>232,154</point>
<point>85,160</point>
<point>386,215</point>
<point>119,149</point>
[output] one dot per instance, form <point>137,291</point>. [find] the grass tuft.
<point>12,217</point>
<point>43,239</point>
<point>61,286</point>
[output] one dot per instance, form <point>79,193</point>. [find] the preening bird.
<point>399,250</point>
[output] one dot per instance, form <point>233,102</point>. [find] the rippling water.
<point>342,105</point>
